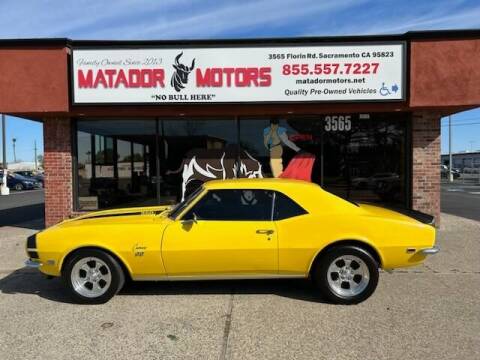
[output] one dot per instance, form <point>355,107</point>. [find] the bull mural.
<point>202,165</point>
<point>180,76</point>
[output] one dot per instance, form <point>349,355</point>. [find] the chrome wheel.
<point>348,276</point>
<point>91,277</point>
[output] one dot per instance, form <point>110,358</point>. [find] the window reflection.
<point>194,151</point>
<point>362,159</point>
<point>114,163</point>
<point>367,163</point>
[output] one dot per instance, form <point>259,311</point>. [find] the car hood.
<point>130,215</point>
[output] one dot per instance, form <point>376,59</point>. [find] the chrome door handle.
<point>265,231</point>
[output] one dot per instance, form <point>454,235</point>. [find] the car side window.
<point>285,207</point>
<point>234,205</point>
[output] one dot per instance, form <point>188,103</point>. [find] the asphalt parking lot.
<point>23,208</point>
<point>428,312</point>
<point>461,199</point>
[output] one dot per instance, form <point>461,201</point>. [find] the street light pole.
<point>4,188</point>
<point>35,151</point>
<point>4,144</point>
<point>450,174</point>
<point>14,154</point>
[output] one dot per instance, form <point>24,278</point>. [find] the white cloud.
<point>129,19</point>
<point>442,16</point>
<point>243,15</point>
<point>147,19</point>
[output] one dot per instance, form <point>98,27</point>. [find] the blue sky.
<point>177,19</point>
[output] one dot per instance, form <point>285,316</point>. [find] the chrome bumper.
<point>430,251</point>
<point>32,264</point>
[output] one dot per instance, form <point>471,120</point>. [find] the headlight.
<point>28,183</point>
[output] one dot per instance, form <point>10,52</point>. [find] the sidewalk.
<point>428,312</point>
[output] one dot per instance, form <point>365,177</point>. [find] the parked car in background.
<point>19,182</point>
<point>372,181</point>
<point>444,172</point>
<point>31,174</point>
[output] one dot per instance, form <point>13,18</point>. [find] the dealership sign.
<point>367,72</point>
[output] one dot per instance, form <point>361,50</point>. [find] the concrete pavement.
<point>428,312</point>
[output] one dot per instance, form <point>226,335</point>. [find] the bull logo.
<point>180,76</point>
<point>201,165</point>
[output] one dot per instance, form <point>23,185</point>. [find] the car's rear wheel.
<point>92,276</point>
<point>346,274</point>
<point>19,187</point>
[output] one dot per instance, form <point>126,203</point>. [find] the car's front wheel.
<point>92,276</point>
<point>346,274</point>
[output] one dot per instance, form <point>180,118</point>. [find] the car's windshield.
<point>177,209</point>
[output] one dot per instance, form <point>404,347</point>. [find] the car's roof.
<point>309,195</point>
<point>256,183</point>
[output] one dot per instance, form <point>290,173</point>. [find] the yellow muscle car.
<point>236,229</point>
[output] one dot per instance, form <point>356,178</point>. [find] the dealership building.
<point>133,123</point>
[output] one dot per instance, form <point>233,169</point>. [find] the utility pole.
<point>471,144</point>
<point>450,174</point>
<point>14,154</point>
<point>4,144</point>
<point>4,188</point>
<point>35,150</point>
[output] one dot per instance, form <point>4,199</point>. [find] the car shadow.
<point>28,281</point>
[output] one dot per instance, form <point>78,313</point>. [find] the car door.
<point>227,233</point>
<point>298,235</point>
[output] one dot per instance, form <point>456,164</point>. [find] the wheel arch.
<point>125,268</point>
<point>353,242</point>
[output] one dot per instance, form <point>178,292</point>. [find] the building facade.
<point>132,123</point>
<point>463,161</point>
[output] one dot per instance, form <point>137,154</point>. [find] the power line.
<point>462,124</point>
<point>467,119</point>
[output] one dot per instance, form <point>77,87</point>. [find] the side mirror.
<point>191,221</point>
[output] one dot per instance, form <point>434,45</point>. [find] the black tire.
<point>321,273</point>
<point>110,267</point>
<point>19,187</point>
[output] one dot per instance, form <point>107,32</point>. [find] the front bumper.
<point>430,251</point>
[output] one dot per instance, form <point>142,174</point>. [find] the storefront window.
<point>270,142</point>
<point>118,173</point>
<point>366,161</point>
<point>194,151</point>
<point>84,165</point>
<point>361,157</point>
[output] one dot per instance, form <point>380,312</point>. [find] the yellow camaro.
<point>236,229</point>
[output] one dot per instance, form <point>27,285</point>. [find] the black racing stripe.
<point>111,215</point>
<point>32,241</point>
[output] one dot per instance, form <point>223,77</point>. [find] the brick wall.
<point>58,169</point>
<point>426,163</point>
